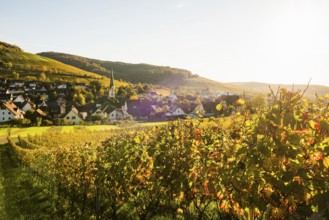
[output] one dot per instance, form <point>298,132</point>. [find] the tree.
<point>101,92</point>
<point>96,85</point>
<point>258,101</point>
<point>43,77</point>
<point>80,98</point>
<point>44,68</point>
<point>16,75</point>
<point>31,115</point>
<point>96,118</point>
<point>9,64</point>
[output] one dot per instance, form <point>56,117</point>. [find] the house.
<point>99,110</point>
<point>61,86</point>
<point>43,104</point>
<point>153,95</point>
<point>32,85</point>
<point>72,116</point>
<point>19,99</point>
<point>40,91</point>
<point>175,111</point>
<point>120,114</point>
<point>140,110</point>
<point>17,90</point>
<point>24,106</point>
<point>210,109</point>
<point>198,109</point>
<point>80,85</point>
<point>54,109</point>
<point>172,97</point>
<point>93,109</point>
<point>61,100</point>
<point>16,83</point>
<point>9,111</point>
<point>111,112</point>
<point>112,115</point>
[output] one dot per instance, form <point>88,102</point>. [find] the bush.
<point>47,122</point>
<point>96,118</point>
<point>24,122</point>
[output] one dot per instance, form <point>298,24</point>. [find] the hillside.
<point>30,66</point>
<point>143,73</point>
<point>133,73</point>
<point>264,88</point>
<point>212,85</point>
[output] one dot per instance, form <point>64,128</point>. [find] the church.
<point>112,87</point>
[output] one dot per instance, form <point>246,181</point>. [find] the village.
<point>49,103</point>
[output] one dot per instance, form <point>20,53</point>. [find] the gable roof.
<point>172,109</point>
<point>20,96</point>
<point>22,104</point>
<point>13,108</point>
<point>73,110</point>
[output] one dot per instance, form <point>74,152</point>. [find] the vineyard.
<point>271,164</point>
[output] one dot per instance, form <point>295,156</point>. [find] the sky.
<point>272,41</point>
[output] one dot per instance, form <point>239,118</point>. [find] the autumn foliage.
<point>270,165</point>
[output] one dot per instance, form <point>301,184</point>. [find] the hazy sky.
<point>275,41</point>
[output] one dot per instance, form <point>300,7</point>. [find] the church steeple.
<point>112,87</point>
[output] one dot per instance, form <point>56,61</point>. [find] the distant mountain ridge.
<point>311,90</point>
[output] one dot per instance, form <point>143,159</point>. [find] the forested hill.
<point>15,63</point>
<point>143,73</point>
<point>133,73</point>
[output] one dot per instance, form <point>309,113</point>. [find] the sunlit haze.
<point>281,41</point>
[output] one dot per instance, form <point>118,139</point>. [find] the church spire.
<point>112,87</point>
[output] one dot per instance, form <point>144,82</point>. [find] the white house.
<point>175,110</point>
<point>119,114</point>
<point>100,111</point>
<point>62,86</point>
<point>112,115</point>
<point>73,117</point>
<point>9,111</point>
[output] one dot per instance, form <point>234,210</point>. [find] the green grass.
<point>21,196</point>
<point>23,132</point>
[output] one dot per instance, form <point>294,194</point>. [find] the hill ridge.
<point>29,66</point>
<point>142,73</point>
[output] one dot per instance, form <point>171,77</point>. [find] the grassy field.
<point>14,132</point>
